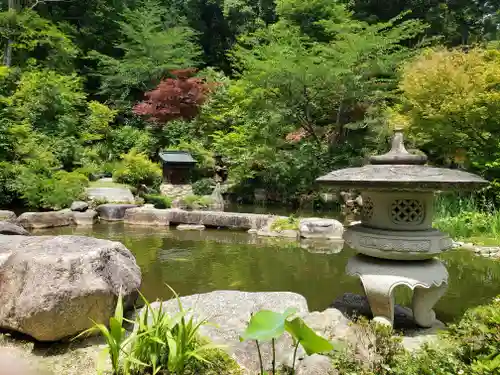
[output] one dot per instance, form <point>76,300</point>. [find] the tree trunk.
<point>7,58</point>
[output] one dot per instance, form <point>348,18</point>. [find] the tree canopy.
<point>283,90</point>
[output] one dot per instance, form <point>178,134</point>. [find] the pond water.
<point>198,262</point>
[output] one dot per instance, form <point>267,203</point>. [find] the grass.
<point>467,218</point>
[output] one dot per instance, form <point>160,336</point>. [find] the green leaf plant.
<point>265,326</point>
<point>115,336</point>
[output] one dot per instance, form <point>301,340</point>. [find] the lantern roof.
<point>400,170</point>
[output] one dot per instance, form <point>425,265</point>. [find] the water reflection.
<point>197,262</point>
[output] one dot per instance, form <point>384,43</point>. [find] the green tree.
<point>452,103</point>
<point>153,45</point>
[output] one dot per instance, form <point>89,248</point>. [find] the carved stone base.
<point>397,245</point>
<point>428,279</point>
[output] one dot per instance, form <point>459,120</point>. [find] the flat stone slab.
<point>111,194</point>
<point>218,219</point>
<point>113,211</point>
<point>230,311</point>
<point>147,215</point>
<point>40,220</point>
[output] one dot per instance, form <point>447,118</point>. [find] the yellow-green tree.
<point>452,101</point>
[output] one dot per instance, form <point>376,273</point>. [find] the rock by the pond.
<point>40,220</point>
<point>146,216</point>
<point>111,194</point>
<point>218,219</point>
<point>268,231</point>
<point>53,286</point>
<point>321,228</point>
<point>190,227</point>
<point>113,211</point>
<point>79,206</point>
<point>88,217</point>
<point>12,229</point>
<point>315,364</point>
<point>7,216</point>
<point>230,312</point>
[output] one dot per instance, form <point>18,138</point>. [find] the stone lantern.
<point>395,241</point>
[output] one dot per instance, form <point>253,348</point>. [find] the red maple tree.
<point>177,97</point>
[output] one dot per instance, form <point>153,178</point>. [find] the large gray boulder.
<point>321,228</point>
<point>230,311</point>
<point>40,220</point>
<point>12,229</point>
<point>147,216</point>
<point>7,216</point>
<point>53,286</point>
<point>86,218</point>
<point>111,194</point>
<point>113,211</point>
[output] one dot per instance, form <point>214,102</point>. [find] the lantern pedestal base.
<point>396,244</point>
<point>428,279</point>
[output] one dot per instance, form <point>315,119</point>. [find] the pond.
<point>198,262</point>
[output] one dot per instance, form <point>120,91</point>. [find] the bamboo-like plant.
<point>116,338</point>
<point>182,340</point>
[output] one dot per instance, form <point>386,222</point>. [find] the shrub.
<point>478,338</point>
<point>161,344</point>
<point>204,186</point>
<point>159,201</point>
<point>281,224</point>
<point>194,202</point>
<point>47,191</point>
<point>452,102</point>
<point>471,346</point>
<point>136,169</point>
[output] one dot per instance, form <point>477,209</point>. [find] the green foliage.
<point>268,325</point>
<point>96,125</point>
<point>154,43</point>
<point>35,41</point>
<point>452,103</point>
<point>478,338</point>
<point>136,169</point>
<point>165,342</point>
<point>281,224</point>
<point>471,346</point>
<point>117,340</point>
<point>195,202</point>
<point>52,190</point>
<point>205,186</point>
<point>159,201</point>
<point>466,217</point>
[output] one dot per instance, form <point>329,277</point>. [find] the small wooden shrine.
<point>177,167</point>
